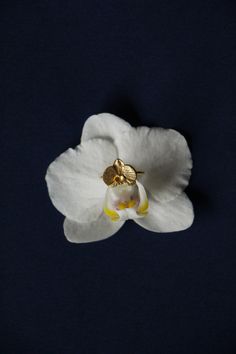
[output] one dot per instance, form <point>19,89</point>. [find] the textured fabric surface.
<point>154,63</point>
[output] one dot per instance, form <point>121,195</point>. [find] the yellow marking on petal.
<point>122,205</point>
<point>127,204</point>
<point>143,208</point>
<point>132,203</point>
<point>113,215</point>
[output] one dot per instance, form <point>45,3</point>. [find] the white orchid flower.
<point>118,173</point>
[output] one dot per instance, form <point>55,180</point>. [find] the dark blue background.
<point>156,63</point>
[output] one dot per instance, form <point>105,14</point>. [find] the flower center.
<point>125,201</point>
<point>125,198</point>
<point>120,173</point>
<point>127,204</point>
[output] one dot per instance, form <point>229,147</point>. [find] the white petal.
<point>89,232</point>
<point>74,179</point>
<point>175,215</point>
<point>162,154</point>
<point>142,209</point>
<point>104,125</point>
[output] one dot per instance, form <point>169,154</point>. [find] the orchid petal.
<point>74,179</point>
<point>97,230</point>
<point>104,125</point>
<point>175,215</point>
<point>142,209</point>
<point>162,154</point>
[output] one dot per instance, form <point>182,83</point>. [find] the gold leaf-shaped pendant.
<point>119,173</point>
<point>129,173</point>
<point>109,175</point>
<point>118,165</point>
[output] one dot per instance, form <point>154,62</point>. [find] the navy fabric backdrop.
<point>155,63</point>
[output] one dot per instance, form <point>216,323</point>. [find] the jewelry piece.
<point>120,173</point>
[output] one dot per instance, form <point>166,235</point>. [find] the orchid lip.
<point>125,201</point>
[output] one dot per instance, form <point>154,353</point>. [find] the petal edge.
<point>104,125</point>
<point>97,230</point>
<point>171,216</point>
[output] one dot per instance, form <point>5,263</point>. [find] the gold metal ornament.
<point>120,173</point>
